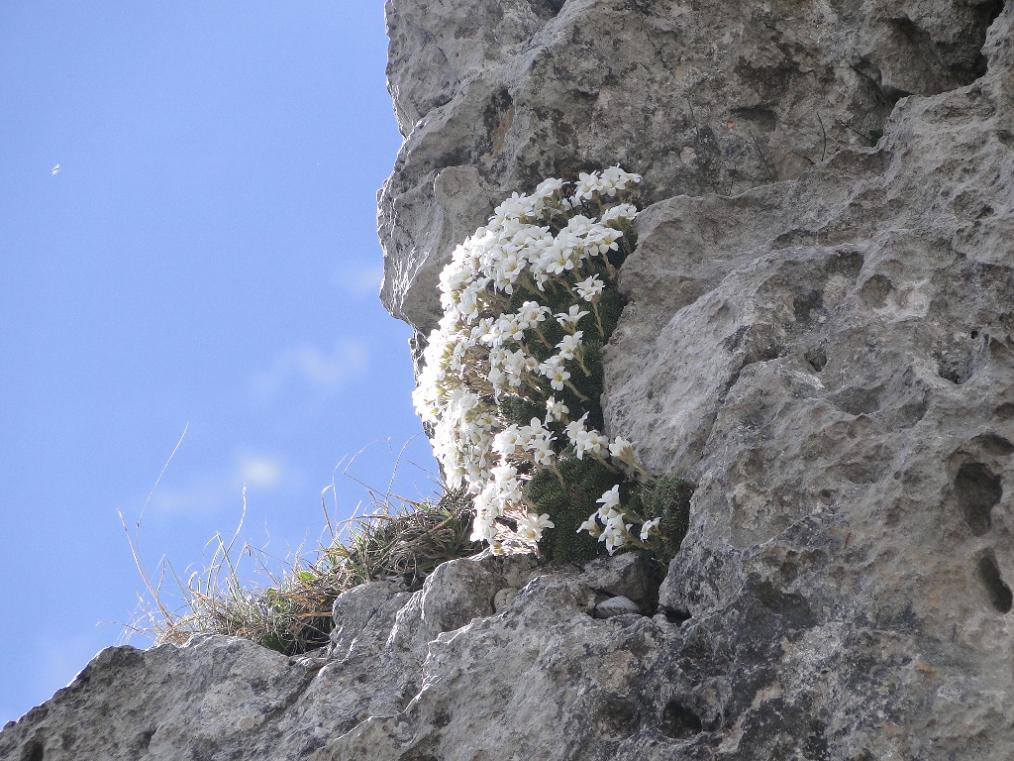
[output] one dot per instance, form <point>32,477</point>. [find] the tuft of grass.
<point>401,540</point>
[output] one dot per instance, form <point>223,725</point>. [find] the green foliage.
<point>667,498</point>
<point>569,504</point>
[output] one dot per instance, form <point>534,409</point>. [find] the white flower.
<point>571,318</point>
<point>614,535</point>
<point>579,225</point>
<point>575,427</point>
<point>648,528</point>
<point>531,314</point>
<point>497,380</point>
<point>555,410</point>
<point>610,499</point>
<point>515,207</point>
<point>602,240</point>
<point>507,441</point>
<point>591,526</point>
<point>553,369</point>
<point>620,211</point>
<point>615,179</point>
<point>570,345</point>
<point>587,185</point>
<point>507,484</point>
<point>590,288</point>
<point>590,442</point>
<point>548,187</point>
<point>542,451</point>
<point>559,257</point>
<point>530,528</point>
<point>537,440</point>
<point>623,451</point>
<point>486,512</point>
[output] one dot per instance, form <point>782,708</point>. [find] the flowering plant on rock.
<point>512,376</point>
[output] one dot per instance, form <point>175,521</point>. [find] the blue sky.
<point>205,255</point>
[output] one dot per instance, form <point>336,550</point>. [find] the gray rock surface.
<point>819,332</point>
<point>700,97</point>
<point>617,606</point>
<point>475,685</point>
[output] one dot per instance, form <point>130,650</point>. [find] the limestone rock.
<point>503,598</point>
<point>454,594</point>
<point>633,575</point>
<point>490,685</point>
<point>363,617</point>
<point>617,606</point>
<point>702,97</point>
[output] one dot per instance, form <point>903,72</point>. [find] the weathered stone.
<point>223,698</point>
<point>454,594</point>
<point>617,606</point>
<point>129,704</point>
<point>363,618</point>
<point>634,575</point>
<point>503,598</point>
<point>700,97</point>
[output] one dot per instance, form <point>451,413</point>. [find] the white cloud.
<point>260,473</point>
<point>311,366</point>
<point>364,281</point>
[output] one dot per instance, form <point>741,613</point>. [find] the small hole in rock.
<point>553,6</point>
<point>33,751</point>
<point>678,617</point>
<point>816,357</point>
<point>974,334</point>
<point>679,721</point>
<point>978,490</point>
<point>806,305</point>
<point>988,12</point>
<point>143,741</point>
<point>999,593</point>
<point>994,444</point>
<point>875,291</point>
<point>618,719</point>
<point>954,367</point>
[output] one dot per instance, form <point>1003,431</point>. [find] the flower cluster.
<point>521,329</point>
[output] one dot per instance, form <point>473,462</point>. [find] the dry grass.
<point>400,539</point>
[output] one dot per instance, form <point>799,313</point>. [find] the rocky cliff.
<point>820,333</point>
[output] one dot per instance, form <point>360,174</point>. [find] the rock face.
<point>433,674</point>
<point>820,333</point>
<point>700,97</point>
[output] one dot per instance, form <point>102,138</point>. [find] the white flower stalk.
<point>569,320</point>
<point>530,528</point>
<point>490,350</point>
<point>555,371</point>
<point>590,289</point>
<point>622,451</point>
<point>615,535</point>
<point>649,529</point>
<point>591,525</point>
<point>610,502</point>
<point>570,345</point>
<point>624,212</point>
<point>556,411</point>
